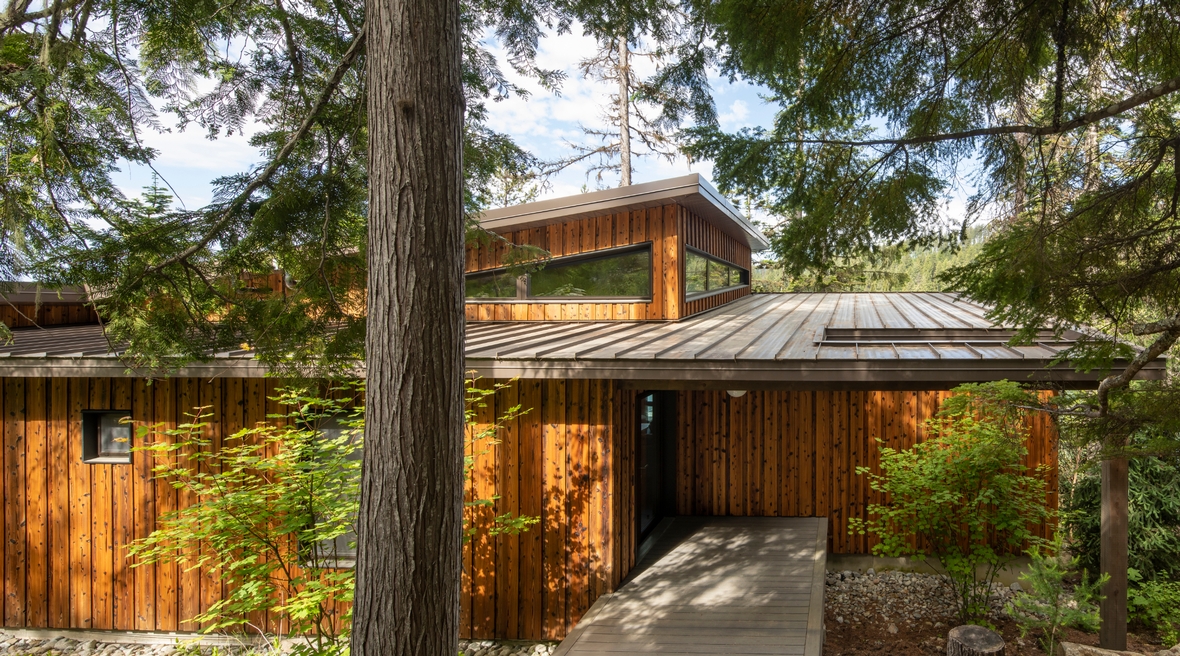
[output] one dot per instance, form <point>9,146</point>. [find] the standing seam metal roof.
<point>801,338</point>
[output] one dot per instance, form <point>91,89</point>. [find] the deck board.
<point>716,585</point>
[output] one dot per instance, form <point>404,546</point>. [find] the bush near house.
<point>964,495</point>
<point>275,507</point>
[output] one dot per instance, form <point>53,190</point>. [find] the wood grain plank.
<point>101,531</point>
<point>188,592</point>
<point>144,494</point>
<point>483,474</point>
<point>122,525</point>
<point>14,502</point>
<point>36,506</point>
<point>532,491</point>
<point>58,467</point>
<point>555,519</point>
<point>80,523</point>
<point>508,488</point>
<point>210,392</point>
<point>164,415</point>
<point>577,544</point>
<point>772,435</point>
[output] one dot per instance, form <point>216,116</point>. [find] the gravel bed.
<point>61,646</point>
<point>899,600</point>
<point>11,646</point>
<point>505,648</point>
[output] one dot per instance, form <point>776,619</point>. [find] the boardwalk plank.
<point>715,585</point>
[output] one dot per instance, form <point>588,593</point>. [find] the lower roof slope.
<point>837,340</point>
<point>902,337</point>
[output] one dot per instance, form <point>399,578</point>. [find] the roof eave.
<point>692,191</point>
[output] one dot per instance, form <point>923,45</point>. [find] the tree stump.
<point>971,640</point>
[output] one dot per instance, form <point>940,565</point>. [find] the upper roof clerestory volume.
<point>691,191</point>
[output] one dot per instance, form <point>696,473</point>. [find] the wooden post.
<point>970,640</point>
<point>1113,634</point>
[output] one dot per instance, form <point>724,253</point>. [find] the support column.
<point>1113,634</point>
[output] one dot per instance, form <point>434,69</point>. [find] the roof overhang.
<point>842,374</point>
<point>113,367</point>
<point>691,191</point>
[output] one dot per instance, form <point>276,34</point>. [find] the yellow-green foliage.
<point>964,495</point>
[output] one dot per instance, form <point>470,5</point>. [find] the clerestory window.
<point>617,273</point>
<point>704,274</point>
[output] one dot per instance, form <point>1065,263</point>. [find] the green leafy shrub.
<point>1153,516</point>
<point>1156,604</point>
<point>276,505</point>
<point>1050,604</point>
<point>964,495</point>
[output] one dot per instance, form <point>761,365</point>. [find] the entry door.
<point>656,460</point>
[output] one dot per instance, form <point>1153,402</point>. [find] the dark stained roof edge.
<point>800,372</point>
<point>692,191</point>
<point>822,371</point>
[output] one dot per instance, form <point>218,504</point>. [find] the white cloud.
<point>736,117</point>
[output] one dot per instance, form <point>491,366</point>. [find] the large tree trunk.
<point>1113,554</point>
<point>410,523</point>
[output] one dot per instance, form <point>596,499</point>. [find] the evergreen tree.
<point>1064,112</point>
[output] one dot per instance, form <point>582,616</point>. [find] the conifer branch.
<point>240,200</point>
<point>1115,109</point>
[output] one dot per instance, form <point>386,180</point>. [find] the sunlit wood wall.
<point>66,523</point>
<point>568,462</point>
<point>668,228</point>
<point>795,454</point>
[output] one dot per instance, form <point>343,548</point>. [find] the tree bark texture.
<point>970,640</point>
<point>1113,558</point>
<point>410,518</point>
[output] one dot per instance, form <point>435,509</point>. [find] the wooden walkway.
<point>716,585</point>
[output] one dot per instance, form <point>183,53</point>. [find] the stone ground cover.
<point>909,614</point>
<point>10,645</point>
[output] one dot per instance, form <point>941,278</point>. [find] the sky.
<point>543,123</point>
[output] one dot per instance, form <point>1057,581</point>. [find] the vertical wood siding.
<point>656,224</point>
<point>66,524</point>
<point>568,462</point>
<point>795,454</point>
<point>705,236</point>
<point>669,228</point>
<point>59,314</point>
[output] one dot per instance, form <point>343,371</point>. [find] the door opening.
<point>656,460</point>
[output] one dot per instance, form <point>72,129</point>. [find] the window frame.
<point>743,275</point>
<point>524,283</point>
<point>92,453</point>
<point>339,560</point>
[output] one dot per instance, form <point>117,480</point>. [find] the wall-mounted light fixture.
<point>737,394</point>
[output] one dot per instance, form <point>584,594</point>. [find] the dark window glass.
<point>695,278</point>
<point>705,274</point>
<point>491,285</point>
<point>114,436</point>
<point>106,438</point>
<point>718,275</point>
<point>622,275</point>
<point>341,551</point>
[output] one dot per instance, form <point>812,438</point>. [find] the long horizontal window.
<point>618,273</point>
<point>704,274</point>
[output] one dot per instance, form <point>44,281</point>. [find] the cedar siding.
<point>568,461</point>
<point>667,227</point>
<point>795,453</point>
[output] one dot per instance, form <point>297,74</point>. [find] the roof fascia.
<point>691,191</point>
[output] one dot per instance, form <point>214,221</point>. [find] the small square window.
<point>106,437</point>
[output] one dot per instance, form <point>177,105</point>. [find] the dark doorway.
<point>655,479</point>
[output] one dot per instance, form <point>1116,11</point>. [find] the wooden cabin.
<point>656,383</point>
